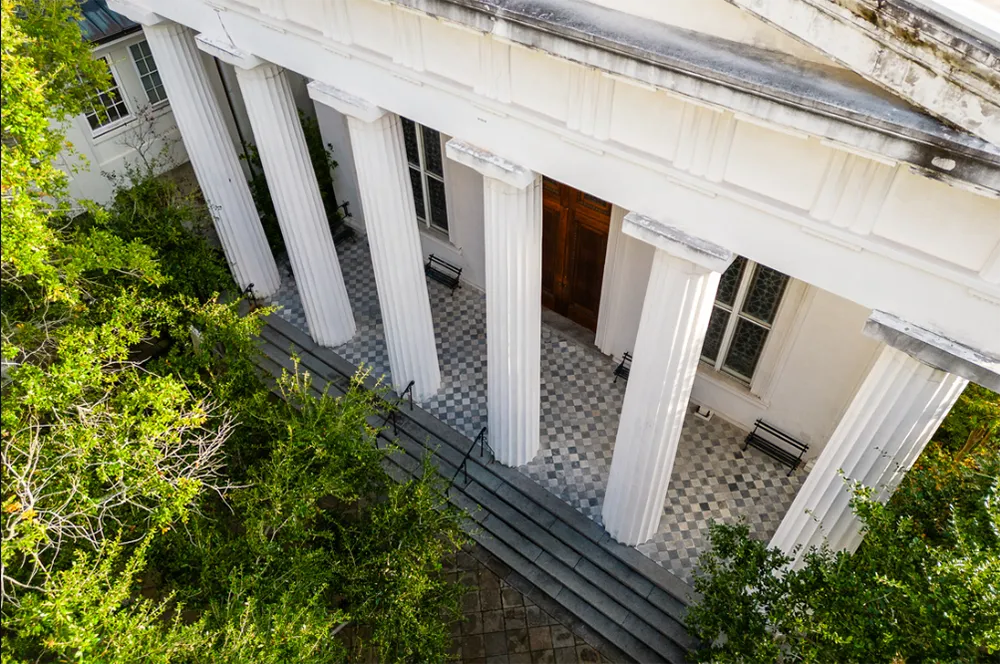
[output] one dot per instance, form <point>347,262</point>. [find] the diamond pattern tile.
<point>580,406</point>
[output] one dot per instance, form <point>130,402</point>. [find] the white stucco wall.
<point>465,244</point>
<point>111,150</point>
<point>333,128</point>
<point>819,366</point>
<point>815,358</point>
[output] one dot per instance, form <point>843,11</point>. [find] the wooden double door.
<point>574,241</point>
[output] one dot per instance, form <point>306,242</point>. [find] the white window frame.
<point>139,74</point>
<point>735,311</point>
<point>424,175</point>
<point>117,85</point>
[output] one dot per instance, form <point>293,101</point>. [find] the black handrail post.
<point>464,466</point>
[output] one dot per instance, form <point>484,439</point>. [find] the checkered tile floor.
<point>712,476</point>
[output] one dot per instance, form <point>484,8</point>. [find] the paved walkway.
<point>502,626</point>
<point>580,406</point>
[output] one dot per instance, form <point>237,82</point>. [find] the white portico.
<point>733,239</point>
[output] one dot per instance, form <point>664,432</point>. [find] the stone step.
<point>567,559</point>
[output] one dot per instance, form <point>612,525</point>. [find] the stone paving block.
<point>540,638</point>
<point>493,620</point>
<point>495,643</point>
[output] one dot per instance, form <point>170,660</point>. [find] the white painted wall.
<point>465,245</point>
<point>815,358</point>
<point>111,150</point>
<point>333,128</point>
<point>626,272</point>
<point>817,371</point>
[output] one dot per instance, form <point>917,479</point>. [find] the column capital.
<point>676,242</point>
<point>935,350</point>
<point>489,164</point>
<point>136,11</point>
<point>228,52</point>
<point>344,102</point>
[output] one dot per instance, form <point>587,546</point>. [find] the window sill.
<point>117,128</point>
<point>439,235</point>
<point>731,385</point>
<point>110,131</point>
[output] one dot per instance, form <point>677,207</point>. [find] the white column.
<point>391,224</point>
<point>295,192</point>
<point>678,303</point>
<point>886,427</point>
<point>212,155</point>
<point>513,229</point>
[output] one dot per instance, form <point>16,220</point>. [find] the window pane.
<point>416,181</point>
<point>730,281</point>
<point>713,338</point>
<point>439,208</point>
<point>432,150</point>
<point>410,141</point>
<point>765,294</point>
<point>745,348</point>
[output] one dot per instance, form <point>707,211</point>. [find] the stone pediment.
<point>942,57</point>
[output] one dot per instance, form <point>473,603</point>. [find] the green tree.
<point>159,501</point>
<point>923,586</point>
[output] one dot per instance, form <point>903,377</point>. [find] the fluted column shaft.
<point>213,156</point>
<point>512,203</point>
<point>513,229</point>
<point>391,222</point>
<point>672,328</point>
<point>295,192</point>
<point>886,427</point>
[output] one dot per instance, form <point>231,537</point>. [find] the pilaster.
<point>678,303</point>
<point>295,192</point>
<point>213,156</point>
<point>512,201</point>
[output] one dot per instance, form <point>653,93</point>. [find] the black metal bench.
<point>623,369</point>
<point>343,233</point>
<point>339,228</point>
<point>443,272</point>
<point>776,443</point>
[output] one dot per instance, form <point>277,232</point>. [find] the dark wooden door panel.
<point>551,259</point>
<point>589,247</point>
<point>574,242</point>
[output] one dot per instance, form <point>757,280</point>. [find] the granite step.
<point>567,563</point>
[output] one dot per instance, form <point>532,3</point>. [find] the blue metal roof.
<point>99,24</point>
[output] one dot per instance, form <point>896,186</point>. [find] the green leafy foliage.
<point>159,502</point>
<point>923,586</point>
<point>47,75</point>
<point>91,613</point>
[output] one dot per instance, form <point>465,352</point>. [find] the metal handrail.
<point>464,466</point>
<point>391,412</point>
<point>249,294</point>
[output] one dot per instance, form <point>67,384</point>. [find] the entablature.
<point>848,219</point>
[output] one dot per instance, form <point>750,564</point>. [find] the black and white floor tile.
<point>580,404</point>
